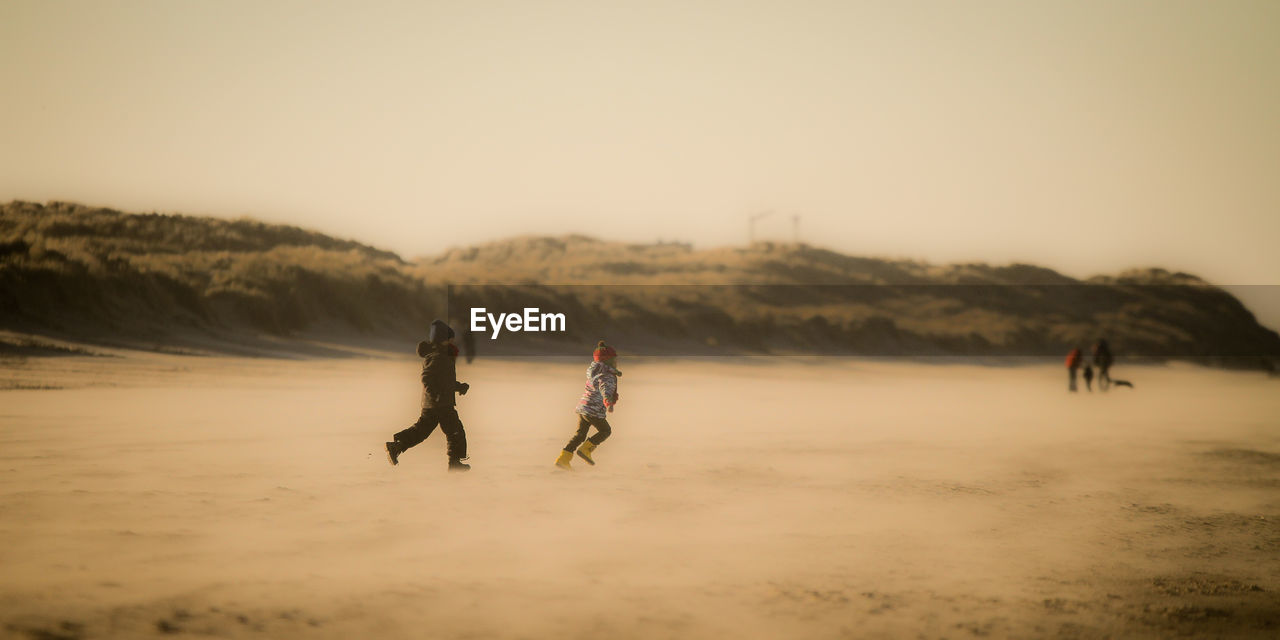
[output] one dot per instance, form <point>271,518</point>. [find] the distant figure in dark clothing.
<point>1088,377</point>
<point>1102,360</point>
<point>1073,365</point>
<point>439,383</point>
<point>469,345</point>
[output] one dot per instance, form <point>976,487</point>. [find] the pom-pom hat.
<point>603,352</point>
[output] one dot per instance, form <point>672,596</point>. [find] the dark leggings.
<point>584,424</point>
<point>450,424</point>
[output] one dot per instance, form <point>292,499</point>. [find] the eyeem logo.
<point>531,320</point>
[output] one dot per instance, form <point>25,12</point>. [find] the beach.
<point>146,494</point>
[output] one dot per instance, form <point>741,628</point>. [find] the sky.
<point>1083,135</point>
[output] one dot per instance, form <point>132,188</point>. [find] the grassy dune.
<point>100,275</point>
<point>160,281</point>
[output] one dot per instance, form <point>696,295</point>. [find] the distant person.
<point>1102,360</point>
<point>439,383</point>
<point>597,400</point>
<point>467,339</point>
<point>1088,377</point>
<point>1073,366</point>
<point>469,345</point>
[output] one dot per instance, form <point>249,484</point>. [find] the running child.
<point>439,383</point>
<point>597,401</point>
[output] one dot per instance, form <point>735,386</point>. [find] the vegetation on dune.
<point>796,298</point>
<point>101,275</point>
<point>97,273</point>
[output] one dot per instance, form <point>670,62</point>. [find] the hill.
<point>159,281</point>
<point>776,298</point>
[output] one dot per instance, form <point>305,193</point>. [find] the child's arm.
<point>609,391</point>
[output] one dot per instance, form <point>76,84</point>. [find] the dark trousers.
<point>1104,377</point>
<point>450,424</point>
<point>584,424</point>
<point>1071,385</point>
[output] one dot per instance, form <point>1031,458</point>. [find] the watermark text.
<point>531,320</point>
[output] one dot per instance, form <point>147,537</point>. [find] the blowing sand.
<point>164,495</point>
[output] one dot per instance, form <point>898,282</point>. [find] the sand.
<point>145,495</point>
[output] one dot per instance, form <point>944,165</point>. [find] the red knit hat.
<point>603,352</point>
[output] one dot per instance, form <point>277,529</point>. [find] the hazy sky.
<point>1085,136</point>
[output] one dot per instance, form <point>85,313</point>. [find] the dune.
<point>149,494</point>
<point>239,287</point>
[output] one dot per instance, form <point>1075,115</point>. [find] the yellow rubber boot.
<point>585,452</point>
<point>564,460</point>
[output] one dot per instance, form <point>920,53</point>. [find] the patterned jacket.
<point>601,391</point>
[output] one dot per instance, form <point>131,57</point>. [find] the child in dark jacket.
<point>597,400</point>
<point>439,383</point>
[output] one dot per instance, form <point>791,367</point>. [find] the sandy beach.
<point>146,495</point>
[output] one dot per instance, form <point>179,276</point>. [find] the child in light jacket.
<point>597,401</point>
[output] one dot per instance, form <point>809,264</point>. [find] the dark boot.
<point>393,452</point>
<point>456,464</point>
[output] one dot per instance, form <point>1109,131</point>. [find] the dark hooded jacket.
<point>439,376</point>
